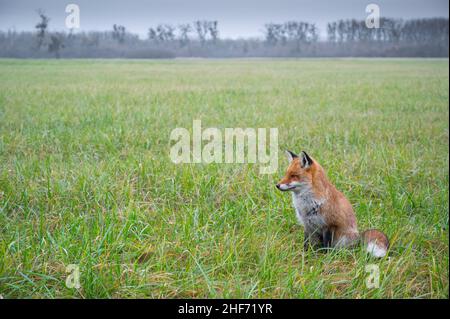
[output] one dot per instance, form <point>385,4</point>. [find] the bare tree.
<point>331,31</point>
<point>271,37</point>
<point>42,27</point>
<point>213,30</point>
<point>313,33</point>
<point>119,33</point>
<point>56,44</point>
<point>162,33</point>
<point>152,34</point>
<point>166,32</point>
<point>184,30</point>
<point>201,27</point>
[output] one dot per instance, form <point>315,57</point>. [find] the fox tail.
<point>375,242</point>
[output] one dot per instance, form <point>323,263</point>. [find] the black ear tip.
<point>292,154</point>
<point>307,159</point>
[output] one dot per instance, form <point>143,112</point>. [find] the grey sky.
<point>237,18</point>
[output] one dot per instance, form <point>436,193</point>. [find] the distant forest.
<point>344,38</point>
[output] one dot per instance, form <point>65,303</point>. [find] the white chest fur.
<point>307,208</point>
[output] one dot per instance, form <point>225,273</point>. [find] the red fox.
<point>326,214</point>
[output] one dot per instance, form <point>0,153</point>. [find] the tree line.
<point>351,37</point>
<point>204,30</point>
<point>391,30</point>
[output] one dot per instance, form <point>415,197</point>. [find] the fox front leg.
<point>327,238</point>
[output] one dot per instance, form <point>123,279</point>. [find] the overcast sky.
<point>237,18</point>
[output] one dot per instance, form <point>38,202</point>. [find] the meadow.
<point>86,177</point>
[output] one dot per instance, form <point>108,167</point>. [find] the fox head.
<point>299,172</point>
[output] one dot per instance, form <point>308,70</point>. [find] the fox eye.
<point>294,175</point>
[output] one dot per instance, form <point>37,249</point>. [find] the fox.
<point>327,216</point>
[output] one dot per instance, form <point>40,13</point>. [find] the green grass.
<point>86,178</point>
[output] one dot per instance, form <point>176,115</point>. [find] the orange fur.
<point>336,211</point>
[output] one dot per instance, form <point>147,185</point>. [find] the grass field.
<point>86,177</point>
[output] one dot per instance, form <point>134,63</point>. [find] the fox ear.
<point>290,155</point>
<point>305,160</point>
